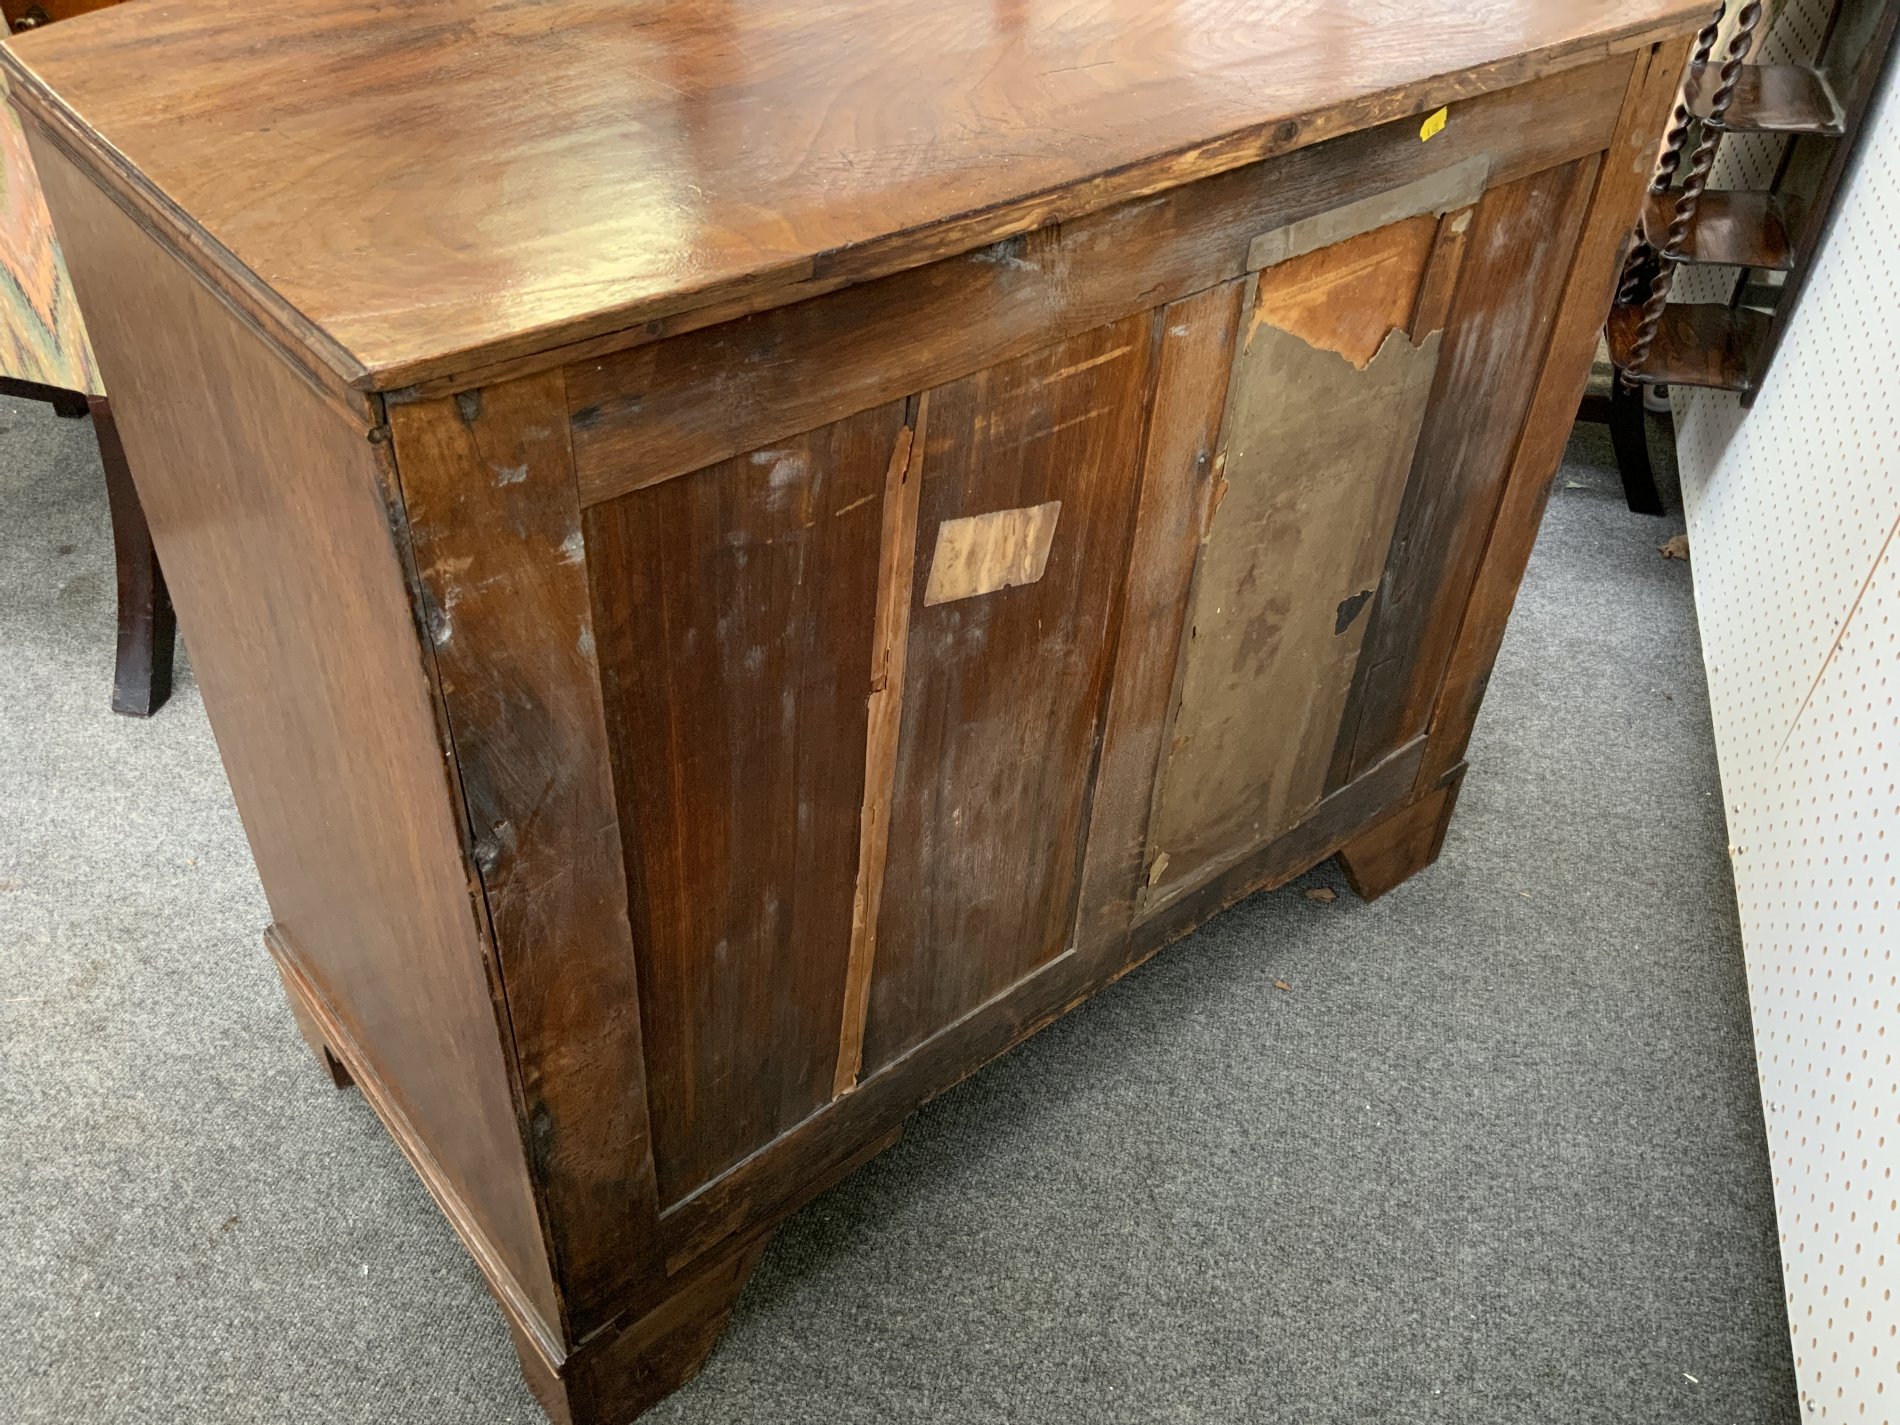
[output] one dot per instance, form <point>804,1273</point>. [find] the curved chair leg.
<point>148,630</point>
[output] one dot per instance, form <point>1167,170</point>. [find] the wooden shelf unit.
<point>1729,229</point>
<point>1696,344</point>
<point>1768,99</point>
<point>1817,107</point>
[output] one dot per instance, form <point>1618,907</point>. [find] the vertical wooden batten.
<point>889,644</point>
<point>1179,475</point>
<point>488,487</point>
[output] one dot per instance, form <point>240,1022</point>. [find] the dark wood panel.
<point>273,518</point>
<point>1521,238</point>
<point>519,175</point>
<point>736,614</point>
<point>1179,471</point>
<point>1403,844</point>
<point>1004,691</point>
<point>1326,402</point>
<point>641,415</point>
<point>488,483</point>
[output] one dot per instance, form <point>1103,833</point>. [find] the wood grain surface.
<point>488,488</point>
<point>1180,472</point>
<point>737,609</point>
<point>1003,692</point>
<point>1495,337</point>
<point>1616,185</point>
<point>640,415</point>
<point>436,187</point>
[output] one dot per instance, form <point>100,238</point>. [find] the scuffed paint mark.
<point>440,629</point>
<point>1349,610</point>
<point>490,848</point>
<point>574,548</point>
<point>1216,496</point>
<point>468,405</point>
<point>1066,372</point>
<point>584,645</point>
<point>1007,253</point>
<point>1072,421</point>
<point>511,474</point>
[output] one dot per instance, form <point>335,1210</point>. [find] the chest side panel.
<point>273,515</point>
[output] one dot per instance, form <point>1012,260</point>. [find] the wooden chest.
<point>744,558</point>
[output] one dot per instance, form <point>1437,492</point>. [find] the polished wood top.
<point>415,190</point>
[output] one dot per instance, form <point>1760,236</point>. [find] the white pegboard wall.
<point>1793,510</point>
<point>1817,888</point>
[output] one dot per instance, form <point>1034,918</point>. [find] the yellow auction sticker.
<point>1435,125</point>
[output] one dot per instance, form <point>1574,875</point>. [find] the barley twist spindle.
<point>1668,160</point>
<point>1697,182</point>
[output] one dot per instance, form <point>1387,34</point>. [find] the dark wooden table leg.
<point>142,678</point>
<point>1629,434</point>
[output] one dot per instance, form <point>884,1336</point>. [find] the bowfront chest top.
<point>744,557</point>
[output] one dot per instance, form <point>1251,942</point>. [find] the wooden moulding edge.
<point>507,1290</point>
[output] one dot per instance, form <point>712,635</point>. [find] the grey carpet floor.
<point>1496,1156</point>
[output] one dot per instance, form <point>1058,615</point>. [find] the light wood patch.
<point>980,554</point>
<point>1347,298</point>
